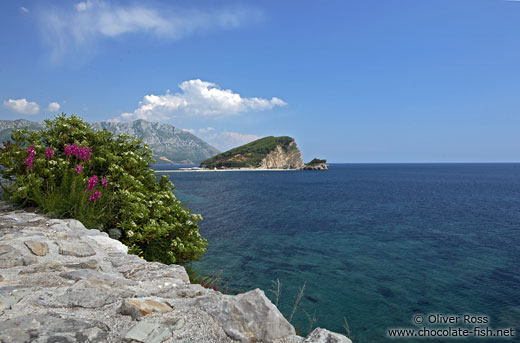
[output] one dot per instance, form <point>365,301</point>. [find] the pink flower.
<point>29,161</point>
<point>49,153</point>
<point>79,152</point>
<point>84,153</point>
<point>78,168</point>
<point>92,182</point>
<point>31,153</point>
<point>70,149</point>
<point>94,196</point>
<point>104,181</point>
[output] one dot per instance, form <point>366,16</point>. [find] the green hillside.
<point>249,155</point>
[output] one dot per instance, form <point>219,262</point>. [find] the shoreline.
<point>220,170</point>
<point>49,264</point>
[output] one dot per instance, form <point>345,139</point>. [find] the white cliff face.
<point>62,282</point>
<point>280,159</point>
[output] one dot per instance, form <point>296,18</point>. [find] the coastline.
<point>220,170</point>
<point>59,279</point>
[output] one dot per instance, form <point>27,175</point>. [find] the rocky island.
<point>265,153</point>
<point>316,164</point>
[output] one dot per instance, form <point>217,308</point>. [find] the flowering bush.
<point>103,181</point>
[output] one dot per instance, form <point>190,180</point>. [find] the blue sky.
<point>352,81</point>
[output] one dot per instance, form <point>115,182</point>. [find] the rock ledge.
<point>60,282</point>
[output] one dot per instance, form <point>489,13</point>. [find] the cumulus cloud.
<point>199,99</point>
<point>22,106</point>
<point>53,107</point>
<point>192,131</point>
<point>79,26</point>
<point>24,10</point>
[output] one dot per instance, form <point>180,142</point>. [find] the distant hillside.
<point>169,144</point>
<point>166,141</point>
<point>6,126</point>
<point>266,153</point>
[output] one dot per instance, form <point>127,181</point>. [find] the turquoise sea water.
<point>376,243</point>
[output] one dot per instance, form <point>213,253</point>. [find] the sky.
<point>352,81</point>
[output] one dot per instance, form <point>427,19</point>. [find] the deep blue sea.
<point>375,243</point>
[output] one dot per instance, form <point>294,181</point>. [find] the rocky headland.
<point>264,153</point>
<point>60,282</point>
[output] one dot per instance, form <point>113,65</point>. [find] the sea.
<point>376,246</point>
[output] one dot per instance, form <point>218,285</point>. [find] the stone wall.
<point>60,282</point>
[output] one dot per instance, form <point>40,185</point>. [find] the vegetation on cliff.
<point>315,162</point>
<point>106,182</point>
<point>249,155</point>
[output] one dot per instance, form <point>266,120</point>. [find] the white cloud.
<point>22,106</point>
<point>80,26</point>
<point>53,107</point>
<point>226,140</point>
<point>24,9</point>
<point>199,99</point>
<point>205,130</point>
<point>83,6</point>
<point>234,139</point>
<point>192,131</point>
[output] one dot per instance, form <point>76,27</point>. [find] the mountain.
<point>264,153</point>
<point>6,126</point>
<point>169,144</point>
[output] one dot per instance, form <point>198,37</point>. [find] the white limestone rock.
<point>320,335</point>
<point>247,317</point>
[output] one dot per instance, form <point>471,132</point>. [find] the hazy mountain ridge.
<point>169,144</point>
<point>6,126</point>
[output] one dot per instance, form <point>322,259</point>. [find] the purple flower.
<point>78,168</point>
<point>31,153</point>
<point>49,153</point>
<point>84,153</point>
<point>70,149</point>
<point>29,161</point>
<point>104,181</point>
<point>92,182</point>
<point>94,196</point>
<point>79,152</point>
